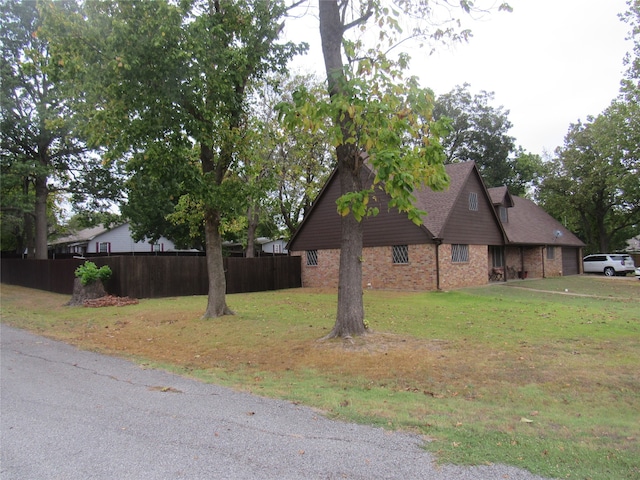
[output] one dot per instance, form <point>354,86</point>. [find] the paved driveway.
<point>71,414</point>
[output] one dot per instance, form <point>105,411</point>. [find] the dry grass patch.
<point>529,376</point>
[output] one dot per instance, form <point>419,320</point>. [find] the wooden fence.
<point>154,277</point>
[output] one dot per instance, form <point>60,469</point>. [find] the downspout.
<point>438,242</point>
<point>542,259</point>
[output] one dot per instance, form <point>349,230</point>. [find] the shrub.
<point>89,273</point>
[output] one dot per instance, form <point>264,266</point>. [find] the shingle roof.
<point>501,196</point>
<point>529,224</point>
<point>439,204</point>
<point>84,235</point>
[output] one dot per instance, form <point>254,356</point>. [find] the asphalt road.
<point>72,414</point>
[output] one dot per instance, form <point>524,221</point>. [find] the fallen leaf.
<point>526,420</point>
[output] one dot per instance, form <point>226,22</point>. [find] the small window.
<point>459,253</point>
<point>504,214</point>
<point>473,201</point>
<point>400,254</point>
<point>551,253</point>
<point>312,258</point>
<point>105,247</point>
<point>155,247</point>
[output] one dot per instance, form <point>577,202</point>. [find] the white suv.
<point>608,263</point>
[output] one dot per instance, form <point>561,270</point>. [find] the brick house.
<point>536,244</point>
<point>462,241</point>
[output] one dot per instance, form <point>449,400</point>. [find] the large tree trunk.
<point>42,193</point>
<point>350,315</point>
<point>252,220</point>
<point>216,301</point>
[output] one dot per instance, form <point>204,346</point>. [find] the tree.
<point>303,159</point>
<point>528,171</point>
<point>178,74</point>
<point>593,184</point>
<point>479,133</point>
<point>42,153</point>
<point>377,116</point>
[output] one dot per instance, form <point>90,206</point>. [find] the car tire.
<point>609,272</point>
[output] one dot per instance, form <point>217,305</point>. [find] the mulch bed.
<point>110,301</point>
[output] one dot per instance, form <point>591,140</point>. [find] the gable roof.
<point>501,196</point>
<point>440,205</point>
<point>81,236</point>
<point>528,224</point>
<point>320,228</point>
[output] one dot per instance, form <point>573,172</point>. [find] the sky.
<point>549,63</point>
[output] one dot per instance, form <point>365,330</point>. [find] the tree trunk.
<point>350,314</point>
<point>252,220</point>
<point>82,293</point>
<point>28,238</point>
<point>42,192</point>
<point>216,301</point>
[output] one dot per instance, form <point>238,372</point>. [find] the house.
<point>107,241</point>
<point>272,247</point>
<point>469,237</point>
<point>536,244</point>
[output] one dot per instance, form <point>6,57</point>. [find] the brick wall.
<point>535,260</point>
<point>323,275</point>
<point>467,274</point>
<point>553,267</point>
<point>379,271</point>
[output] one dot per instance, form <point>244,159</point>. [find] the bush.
<point>89,273</point>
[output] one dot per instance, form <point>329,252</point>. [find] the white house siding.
<point>120,241</point>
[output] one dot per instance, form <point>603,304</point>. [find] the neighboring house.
<point>536,244</point>
<point>107,241</point>
<point>462,241</point>
<point>263,246</point>
<point>273,247</point>
<point>633,244</point>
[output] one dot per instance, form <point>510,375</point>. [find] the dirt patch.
<point>110,301</point>
<point>380,342</point>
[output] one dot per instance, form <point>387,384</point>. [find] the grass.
<point>523,373</point>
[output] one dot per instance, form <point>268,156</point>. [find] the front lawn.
<point>542,374</point>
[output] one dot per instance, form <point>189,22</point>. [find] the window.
<point>105,247</point>
<point>156,247</point>
<point>459,253</point>
<point>551,253</point>
<point>312,258</point>
<point>400,254</point>
<point>473,201</point>
<point>504,214</point>
<point>497,256</point>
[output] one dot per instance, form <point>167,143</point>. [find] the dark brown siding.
<point>570,261</point>
<point>472,227</point>
<point>321,229</point>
